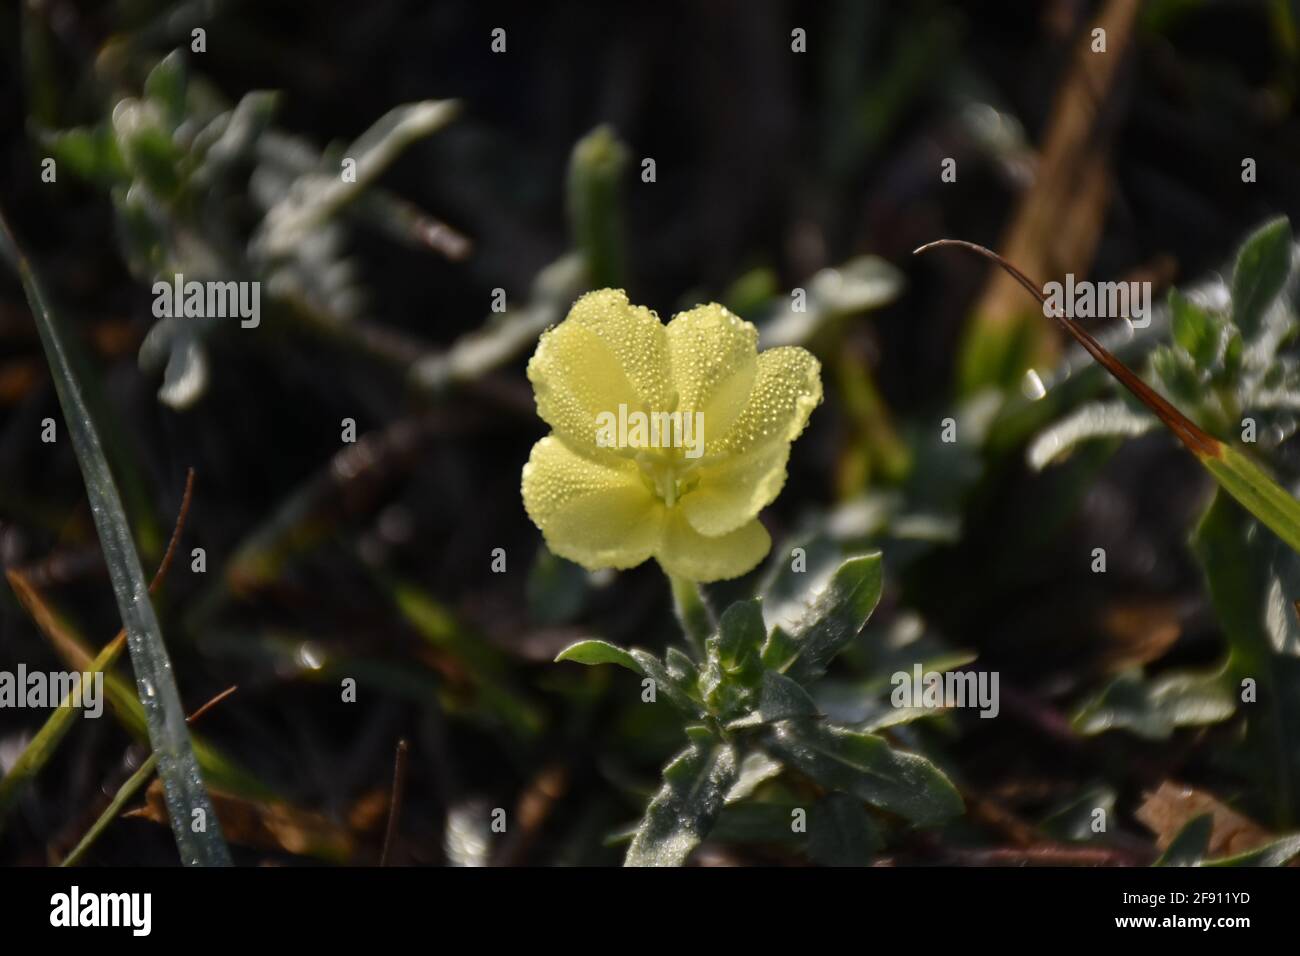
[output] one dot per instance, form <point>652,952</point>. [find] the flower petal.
<point>598,513</point>
<point>606,353</point>
<point>786,389</point>
<point>714,358</point>
<point>686,553</point>
<point>736,489</point>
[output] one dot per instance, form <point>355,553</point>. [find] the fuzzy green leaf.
<point>782,699</point>
<point>1261,270</point>
<point>1154,709</point>
<point>598,652</point>
<point>1279,852</point>
<point>836,616</point>
<point>684,810</point>
<point>741,633</point>
<point>1239,562</point>
<point>867,767</point>
<point>1093,421</point>
<point>1194,329</point>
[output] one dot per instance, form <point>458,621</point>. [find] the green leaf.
<point>674,683</point>
<point>782,699</point>
<point>680,667</point>
<point>166,84</point>
<point>679,691</point>
<point>1074,819</point>
<point>319,195</point>
<point>1155,708</point>
<point>598,652</point>
<point>835,618</point>
<point>1189,846</point>
<point>1262,267</point>
<point>150,153</point>
<point>800,566</point>
<point>232,135</point>
<point>684,810</point>
<point>1097,420</point>
<point>867,767</point>
<point>1236,560</point>
<point>755,770</point>
<point>1280,852</point>
<point>1194,329</point>
<point>155,682</point>
<point>88,152</point>
<point>741,634</point>
<point>1180,380</point>
<point>779,648</point>
<point>841,832</point>
<point>858,285</point>
<point>767,823</point>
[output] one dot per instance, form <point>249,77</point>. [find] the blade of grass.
<point>114,809</point>
<point>1241,478</point>
<point>130,789</point>
<point>165,718</point>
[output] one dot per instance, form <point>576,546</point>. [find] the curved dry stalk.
<point>1199,442</point>
<point>1236,474</point>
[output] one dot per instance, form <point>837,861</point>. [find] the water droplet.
<point>1032,386</point>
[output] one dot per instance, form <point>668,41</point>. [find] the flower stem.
<point>692,613</point>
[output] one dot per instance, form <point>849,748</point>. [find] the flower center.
<point>667,473</point>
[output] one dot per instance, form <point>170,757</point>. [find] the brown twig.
<point>212,703</point>
<point>395,802</point>
<point>186,497</point>
<point>1050,855</point>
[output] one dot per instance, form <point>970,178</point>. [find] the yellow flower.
<point>606,493</point>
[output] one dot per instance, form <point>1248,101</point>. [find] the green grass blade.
<point>177,767</point>
<point>113,810</point>
<point>1258,493</point>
